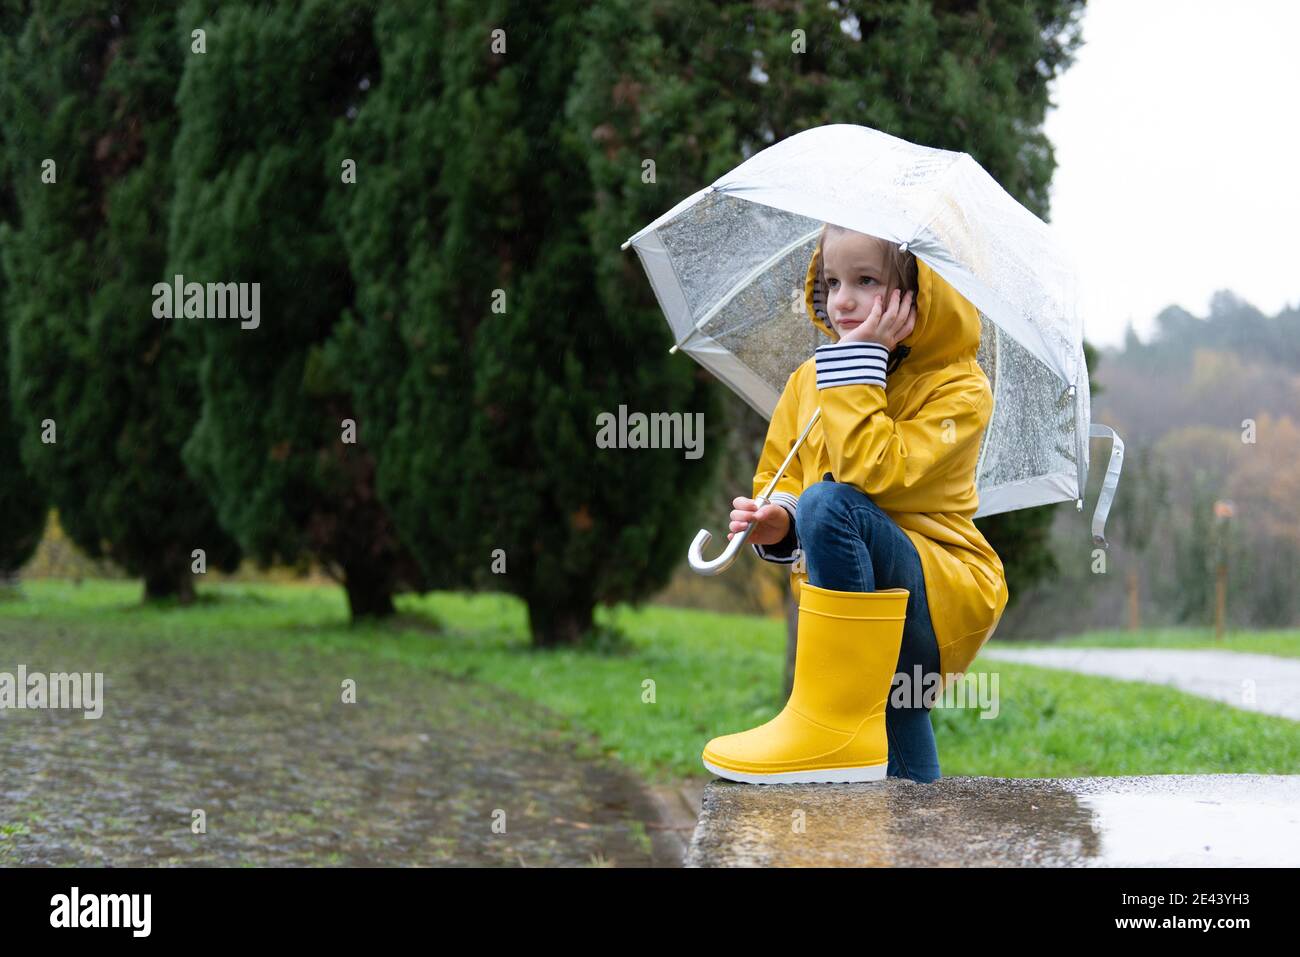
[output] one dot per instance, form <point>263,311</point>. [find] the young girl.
<point>896,585</point>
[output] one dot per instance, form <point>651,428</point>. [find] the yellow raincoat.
<point>912,446</point>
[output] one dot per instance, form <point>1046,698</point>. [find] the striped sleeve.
<point>851,363</point>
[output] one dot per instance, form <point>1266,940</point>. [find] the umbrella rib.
<point>745,281</point>
<point>997,387</point>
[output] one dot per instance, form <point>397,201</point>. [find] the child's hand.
<point>773,521</point>
<point>887,328</point>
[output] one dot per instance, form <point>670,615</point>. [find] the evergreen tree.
<point>1190,589</point>
<point>1132,344</point>
<point>489,348</point>
<point>402,343</point>
<point>22,503</point>
<point>102,395</point>
<point>280,445</point>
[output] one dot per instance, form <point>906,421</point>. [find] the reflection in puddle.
<point>1217,820</point>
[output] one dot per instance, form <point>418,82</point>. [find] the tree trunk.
<point>553,626</point>
<point>161,584</point>
<point>369,596</point>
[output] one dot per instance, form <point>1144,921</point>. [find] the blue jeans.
<point>850,544</point>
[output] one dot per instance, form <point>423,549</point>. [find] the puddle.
<point>1156,830</point>
<point>1216,820</point>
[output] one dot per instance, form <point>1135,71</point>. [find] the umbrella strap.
<point>1109,482</point>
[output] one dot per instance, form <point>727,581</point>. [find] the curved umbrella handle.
<point>720,564</point>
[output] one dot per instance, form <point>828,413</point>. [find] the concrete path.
<point>423,770</point>
<point>1264,683</point>
<point>1164,820</point>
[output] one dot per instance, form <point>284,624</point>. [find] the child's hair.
<point>900,267</point>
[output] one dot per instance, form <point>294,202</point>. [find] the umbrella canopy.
<point>728,264</point>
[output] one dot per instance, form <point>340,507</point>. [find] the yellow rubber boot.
<point>832,730</point>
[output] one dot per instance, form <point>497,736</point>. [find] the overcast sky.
<point>1178,151</point>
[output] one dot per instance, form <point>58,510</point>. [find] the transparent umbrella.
<point>727,265</point>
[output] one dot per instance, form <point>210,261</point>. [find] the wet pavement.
<point>422,770</point>
<point>1265,683</point>
<point>1167,820</point>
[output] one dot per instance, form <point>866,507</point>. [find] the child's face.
<point>854,266</point>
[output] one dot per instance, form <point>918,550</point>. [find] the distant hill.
<point>1233,364</point>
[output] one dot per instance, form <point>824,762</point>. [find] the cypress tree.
<point>280,445</point>
<point>402,343</point>
<point>22,503</point>
<point>491,311</point>
<point>103,396</point>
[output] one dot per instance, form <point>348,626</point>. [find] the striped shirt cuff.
<point>851,363</point>
<point>785,552</point>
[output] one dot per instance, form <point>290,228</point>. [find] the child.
<point>894,581</point>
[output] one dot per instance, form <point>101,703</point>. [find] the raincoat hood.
<point>947,326</point>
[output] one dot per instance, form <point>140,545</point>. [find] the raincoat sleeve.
<point>912,464</point>
<point>781,433</point>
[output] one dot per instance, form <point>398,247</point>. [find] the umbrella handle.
<point>720,564</point>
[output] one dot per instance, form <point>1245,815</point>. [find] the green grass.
<point>9,830</point>
<point>711,674</point>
